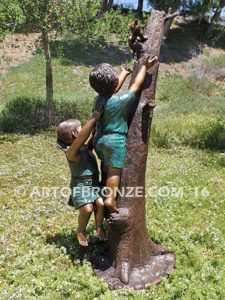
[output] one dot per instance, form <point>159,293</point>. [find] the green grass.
<point>218,62</point>
<point>39,257</point>
<point>191,111</point>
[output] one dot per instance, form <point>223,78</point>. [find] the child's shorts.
<point>111,149</point>
<point>85,191</point>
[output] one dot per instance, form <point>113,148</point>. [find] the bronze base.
<point>157,268</point>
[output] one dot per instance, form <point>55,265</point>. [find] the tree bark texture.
<point>132,259</point>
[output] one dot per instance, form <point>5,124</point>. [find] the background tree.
<point>169,6</point>
<point>165,5</point>
<point>11,15</point>
<point>219,7</point>
<point>106,5</point>
<point>48,17</point>
<point>198,8</point>
<point>140,7</point>
<point>52,17</point>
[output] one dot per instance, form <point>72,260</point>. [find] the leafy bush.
<point>11,14</point>
<point>82,19</point>
<point>192,130</point>
<point>176,89</point>
<point>189,113</point>
<point>27,114</point>
<point>217,36</point>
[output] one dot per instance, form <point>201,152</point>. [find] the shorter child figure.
<point>85,186</point>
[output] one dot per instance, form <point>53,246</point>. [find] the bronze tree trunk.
<point>131,259</point>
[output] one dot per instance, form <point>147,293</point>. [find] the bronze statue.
<point>137,38</point>
<point>131,259</point>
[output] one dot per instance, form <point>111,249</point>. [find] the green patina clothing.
<point>84,191</point>
<point>110,141</point>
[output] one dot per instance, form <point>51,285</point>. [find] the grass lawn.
<point>39,256</point>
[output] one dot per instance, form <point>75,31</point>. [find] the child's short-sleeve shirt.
<point>110,142</point>
<point>87,190</point>
<point>114,117</point>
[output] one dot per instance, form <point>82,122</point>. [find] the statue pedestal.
<point>152,272</point>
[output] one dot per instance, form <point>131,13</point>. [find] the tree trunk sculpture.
<point>131,259</point>
<point>169,18</point>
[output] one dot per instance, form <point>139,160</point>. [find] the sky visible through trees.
<point>146,6</point>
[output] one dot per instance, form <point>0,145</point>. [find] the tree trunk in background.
<point>106,5</point>
<point>140,7</point>
<point>131,258</point>
<point>216,16</point>
<point>110,4</point>
<point>169,21</point>
<point>49,78</point>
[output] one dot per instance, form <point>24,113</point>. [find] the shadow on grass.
<point>77,253</point>
<point>78,51</point>
<point>187,40</point>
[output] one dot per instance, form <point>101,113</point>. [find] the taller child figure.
<point>111,129</point>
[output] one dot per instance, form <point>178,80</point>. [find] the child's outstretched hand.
<point>97,112</point>
<point>126,69</point>
<point>150,62</point>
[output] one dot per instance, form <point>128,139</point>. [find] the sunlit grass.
<point>39,256</point>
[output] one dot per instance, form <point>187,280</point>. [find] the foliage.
<point>192,7</point>
<point>190,113</point>
<point>217,35</point>
<point>26,115</point>
<point>191,130</point>
<point>82,20</point>
<point>48,15</point>
<point>176,89</point>
<point>11,15</point>
<point>164,5</point>
<point>39,256</point>
<point>198,7</point>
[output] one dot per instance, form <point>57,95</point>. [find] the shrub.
<point>11,15</point>
<point>176,89</point>
<point>192,130</point>
<point>26,115</point>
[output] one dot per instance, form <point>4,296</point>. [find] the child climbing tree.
<point>131,259</point>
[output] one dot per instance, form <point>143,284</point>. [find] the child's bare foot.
<point>111,206</point>
<point>101,234</point>
<point>82,238</point>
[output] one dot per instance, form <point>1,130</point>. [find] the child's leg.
<point>84,216</point>
<point>99,214</point>
<point>104,170</point>
<point>112,184</point>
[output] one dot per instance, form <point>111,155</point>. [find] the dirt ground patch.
<point>17,49</point>
<point>195,64</point>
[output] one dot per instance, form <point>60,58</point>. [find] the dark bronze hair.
<point>103,79</point>
<point>64,132</point>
